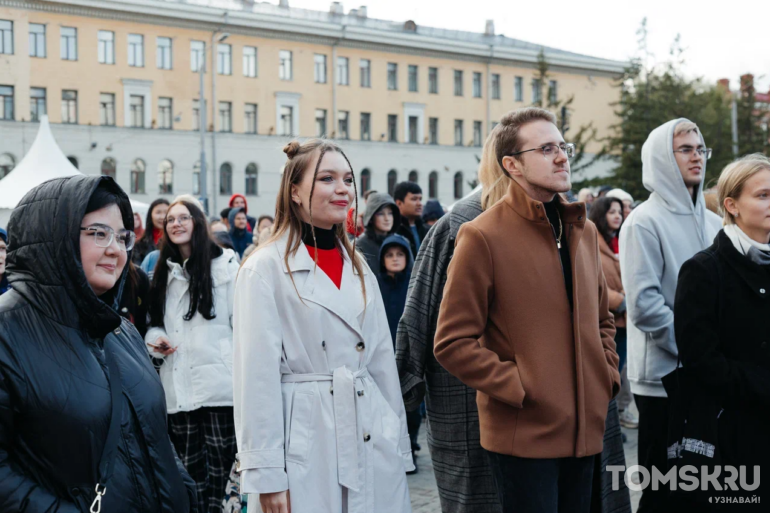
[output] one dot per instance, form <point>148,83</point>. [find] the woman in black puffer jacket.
<point>60,335</point>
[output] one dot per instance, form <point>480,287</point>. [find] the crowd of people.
<point>180,363</point>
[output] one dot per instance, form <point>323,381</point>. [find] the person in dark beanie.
<point>239,232</point>
<point>381,219</point>
<point>408,196</point>
<point>82,411</point>
<point>432,212</point>
<point>3,253</point>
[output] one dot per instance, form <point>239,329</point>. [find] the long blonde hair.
<point>288,216</point>
<point>493,180</point>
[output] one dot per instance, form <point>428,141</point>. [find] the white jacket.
<point>200,372</point>
<point>318,407</point>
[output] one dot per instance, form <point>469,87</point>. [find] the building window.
<point>106,50</point>
<point>412,78</point>
<point>343,71</point>
<point>7,163</point>
<point>250,118</point>
<point>392,181</point>
<point>319,68</point>
<point>166,177</point>
<point>197,55</point>
<point>6,37</point>
<point>138,169</point>
<point>107,109</point>
<point>366,181</point>
<point>392,128</point>
<point>366,72</point>
<point>69,107</point>
<point>366,126</point>
<point>476,84</point>
<point>164,53</point>
<point>477,133</point>
<point>518,89</point>
<point>495,86</point>
<point>458,82</point>
<point>69,44</point>
<point>284,69</point>
<point>287,120</point>
<point>392,76</point>
<point>552,92</point>
<point>250,61</point>
<point>458,132</point>
<point>537,91</point>
<point>458,185</point>
<point>37,103</point>
<point>433,185</point>
<point>165,113</point>
<point>136,50</point>
<point>225,116</point>
<point>433,80</point>
<point>252,173</point>
<point>413,176</point>
<point>413,120</point>
<point>342,121</point>
<point>6,103</point>
<point>433,130</point>
<point>109,168</point>
<point>36,40</point>
<point>320,122</point>
<point>136,109</point>
<point>196,115</point>
<point>225,178</point>
<point>224,59</point>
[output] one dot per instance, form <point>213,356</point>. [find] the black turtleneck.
<point>324,239</point>
<point>552,211</point>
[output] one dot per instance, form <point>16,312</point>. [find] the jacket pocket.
<point>301,426</point>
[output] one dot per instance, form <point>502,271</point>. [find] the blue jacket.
<point>241,238</point>
<point>394,289</point>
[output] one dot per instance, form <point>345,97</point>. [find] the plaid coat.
<point>464,480</point>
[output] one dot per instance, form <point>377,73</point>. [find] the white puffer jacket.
<point>200,372</point>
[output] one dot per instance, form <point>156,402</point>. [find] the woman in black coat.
<point>721,317</point>
<point>381,219</point>
<point>63,351</point>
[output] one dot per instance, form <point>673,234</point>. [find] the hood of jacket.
<point>397,240</point>
<point>376,202</point>
<point>44,265</point>
<point>245,202</point>
<point>432,210</point>
<point>231,219</point>
<point>661,175</point>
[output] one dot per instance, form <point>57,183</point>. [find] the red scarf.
<point>615,245</point>
<point>156,235</point>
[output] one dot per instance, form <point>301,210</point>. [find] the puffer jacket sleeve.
<point>18,492</point>
<point>257,402</point>
<point>153,334</point>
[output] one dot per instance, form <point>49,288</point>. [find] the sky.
<point>721,39</point>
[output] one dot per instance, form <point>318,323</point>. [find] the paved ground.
<point>422,486</point>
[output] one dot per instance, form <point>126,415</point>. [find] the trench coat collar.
<point>314,285</point>
<point>533,210</point>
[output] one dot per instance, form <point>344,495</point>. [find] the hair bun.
<point>291,149</point>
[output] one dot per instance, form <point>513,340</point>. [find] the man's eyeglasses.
<point>687,152</point>
<point>550,151</point>
<point>182,219</point>
<point>104,235</point>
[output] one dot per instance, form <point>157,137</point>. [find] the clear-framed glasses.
<point>550,151</point>
<point>703,152</point>
<point>104,235</point>
<point>182,219</point>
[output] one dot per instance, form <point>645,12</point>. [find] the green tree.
<point>752,136</point>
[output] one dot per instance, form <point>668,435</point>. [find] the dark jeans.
<point>653,431</point>
<point>559,485</point>
<point>621,347</point>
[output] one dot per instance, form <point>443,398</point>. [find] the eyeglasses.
<point>701,151</point>
<point>182,219</point>
<point>104,235</point>
<point>550,151</point>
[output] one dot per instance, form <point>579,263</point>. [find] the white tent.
<point>43,161</point>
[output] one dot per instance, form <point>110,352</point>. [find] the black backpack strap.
<point>107,463</point>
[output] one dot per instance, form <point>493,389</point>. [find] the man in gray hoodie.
<point>656,239</point>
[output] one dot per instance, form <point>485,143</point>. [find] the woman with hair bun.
<point>318,410</point>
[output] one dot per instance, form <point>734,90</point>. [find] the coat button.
<point>75,492</point>
<point>117,331</point>
<point>367,437</point>
<point>360,346</point>
<point>542,218</point>
<point>360,393</point>
<point>761,291</point>
<point>323,344</point>
<point>537,206</point>
<point>331,390</point>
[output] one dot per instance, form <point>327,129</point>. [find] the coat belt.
<point>345,418</point>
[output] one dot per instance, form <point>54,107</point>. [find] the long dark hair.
<point>149,226</point>
<point>198,267</point>
<point>598,214</point>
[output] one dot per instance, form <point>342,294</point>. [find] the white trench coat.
<point>318,406</point>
